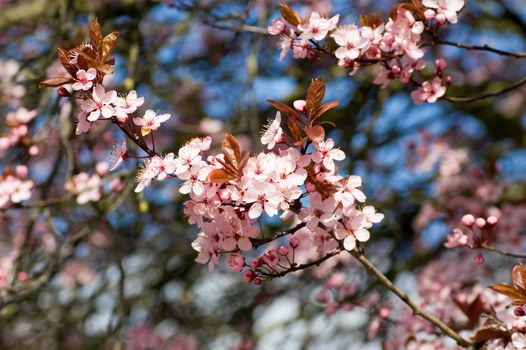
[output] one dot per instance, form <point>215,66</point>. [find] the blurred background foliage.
<point>208,64</point>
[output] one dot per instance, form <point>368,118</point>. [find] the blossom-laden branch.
<point>397,46</point>
<point>417,310</point>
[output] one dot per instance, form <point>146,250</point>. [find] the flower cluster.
<point>15,187</point>
<point>479,231</point>
<point>396,45</point>
<point>89,188</point>
<point>229,193</point>
<point>18,131</point>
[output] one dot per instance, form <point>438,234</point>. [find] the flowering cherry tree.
<point>112,195</point>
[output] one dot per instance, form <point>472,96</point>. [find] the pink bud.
<point>441,64</point>
<point>294,242</point>
<point>21,171</point>
<point>257,281</point>
<point>395,69</point>
<point>248,276</point>
<point>63,92</point>
<point>519,311</point>
<point>34,150</point>
<point>492,220</point>
<point>310,187</point>
<point>300,105</point>
<point>480,222</point>
<point>441,18</point>
<point>102,168</point>
<point>468,220</point>
<point>479,259</point>
<point>429,14</point>
<point>255,263</point>
<point>283,250</point>
<point>22,276</point>
<point>384,312</point>
<point>448,80</point>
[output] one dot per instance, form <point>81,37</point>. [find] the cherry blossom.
<point>446,9</point>
<point>350,42</point>
<point>429,92</point>
<point>87,188</point>
<point>126,105</point>
<point>317,27</point>
<point>326,154</point>
<point>100,104</point>
<point>274,133</point>
<point>84,79</point>
<point>150,121</point>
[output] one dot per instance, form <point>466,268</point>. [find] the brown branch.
<point>407,300</point>
<point>480,48</point>
<point>502,252</point>
<point>294,268</point>
<point>486,95</point>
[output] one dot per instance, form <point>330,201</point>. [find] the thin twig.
<point>481,48</point>
<point>502,252</point>
<point>486,95</point>
<point>407,300</point>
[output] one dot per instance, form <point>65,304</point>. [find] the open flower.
<point>446,9</point>
<point>100,104</point>
<point>85,79</point>
<point>318,27</point>
<point>127,105</point>
<point>274,133</point>
<point>150,121</point>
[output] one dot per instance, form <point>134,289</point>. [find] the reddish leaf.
<point>323,109</point>
<point>108,44</point>
<point>315,94</point>
<point>372,21</point>
<point>54,82</point>
<point>95,35</point>
<point>286,110</point>
<point>507,290</point>
<point>63,57</point>
<point>231,150</point>
<point>219,176</point>
<point>105,68</point>
<point>294,130</point>
<point>490,330</point>
<point>518,276</point>
<point>316,133</point>
<point>291,16</point>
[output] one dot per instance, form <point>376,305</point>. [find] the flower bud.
<point>519,311</point>
<point>283,250</point>
<point>480,222</point>
<point>294,242</point>
<point>257,281</point>
<point>479,259</point>
<point>468,220</point>
<point>492,220</point>
<point>62,92</point>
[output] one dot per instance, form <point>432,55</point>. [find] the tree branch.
<point>405,298</point>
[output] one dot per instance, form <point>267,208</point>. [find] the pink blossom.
<point>317,27</point>
<point>273,133</point>
<point>326,154</point>
<point>350,42</point>
<point>446,9</point>
<point>83,124</point>
<point>100,104</point>
<point>84,79</point>
<point>127,105</point>
<point>120,153</point>
<point>85,187</point>
<point>235,262</point>
<point>456,239</point>
<point>277,27</point>
<point>348,191</point>
<point>429,92</point>
<point>264,196</point>
<point>150,121</point>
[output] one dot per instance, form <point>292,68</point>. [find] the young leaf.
<point>518,276</point>
<point>54,82</point>
<point>315,94</point>
<point>291,16</point>
<point>518,297</point>
<point>316,133</point>
<point>64,59</point>
<point>490,330</point>
<point>286,110</point>
<point>230,148</point>
<point>95,35</point>
<point>108,44</point>
<point>323,109</point>
<point>219,176</point>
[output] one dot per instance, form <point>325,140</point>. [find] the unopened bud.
<point>480,222</point>
<point>63,92</point>
<point>283,250</point>
<point>468,220</point>
<point>294,242</point>
<point>519,311</point>
<point>492,220</point>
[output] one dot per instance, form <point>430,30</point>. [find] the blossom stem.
<point>480,48</point>
<point>487,95</point>
<point>502,252</point>
<point>407,300</point>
